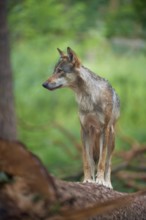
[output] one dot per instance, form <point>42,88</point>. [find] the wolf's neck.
<point>86,75</point>
<point>87,88</point>
<point>87,81</point>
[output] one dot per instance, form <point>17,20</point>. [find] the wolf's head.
<point>65,71</point>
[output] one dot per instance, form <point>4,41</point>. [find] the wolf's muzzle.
<point>51,86</point>
<point>45,85</point>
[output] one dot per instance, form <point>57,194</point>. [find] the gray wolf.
<point>99,109</point>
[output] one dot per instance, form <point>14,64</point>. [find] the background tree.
<point>7,111</point>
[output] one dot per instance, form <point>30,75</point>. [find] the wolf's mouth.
<point>50,86</point>
<point>53,88</point>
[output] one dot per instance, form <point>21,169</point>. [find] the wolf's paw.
<point>88,181</point>
<point>101,181</point>
<point>108,185</point>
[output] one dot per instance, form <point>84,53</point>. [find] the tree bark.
<point>7,111</point>
<point>28,191</point>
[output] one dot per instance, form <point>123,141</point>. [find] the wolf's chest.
<point>85,103</point>
<point>87,106</point>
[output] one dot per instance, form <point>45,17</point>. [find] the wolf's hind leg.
<point>110,148</point>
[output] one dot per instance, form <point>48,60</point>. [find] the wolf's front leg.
<point>102,159</point>
<point>88,162</point>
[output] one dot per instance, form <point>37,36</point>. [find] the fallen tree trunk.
<point>28,191</point>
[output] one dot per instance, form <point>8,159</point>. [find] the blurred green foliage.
<point>30,18</point>
<point>122,22</point>
<point>36,30</point>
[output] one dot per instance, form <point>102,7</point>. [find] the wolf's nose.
<point>45,84</point>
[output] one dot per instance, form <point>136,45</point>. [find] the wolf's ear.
<point>61,52</point>
<point>73,57</point>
